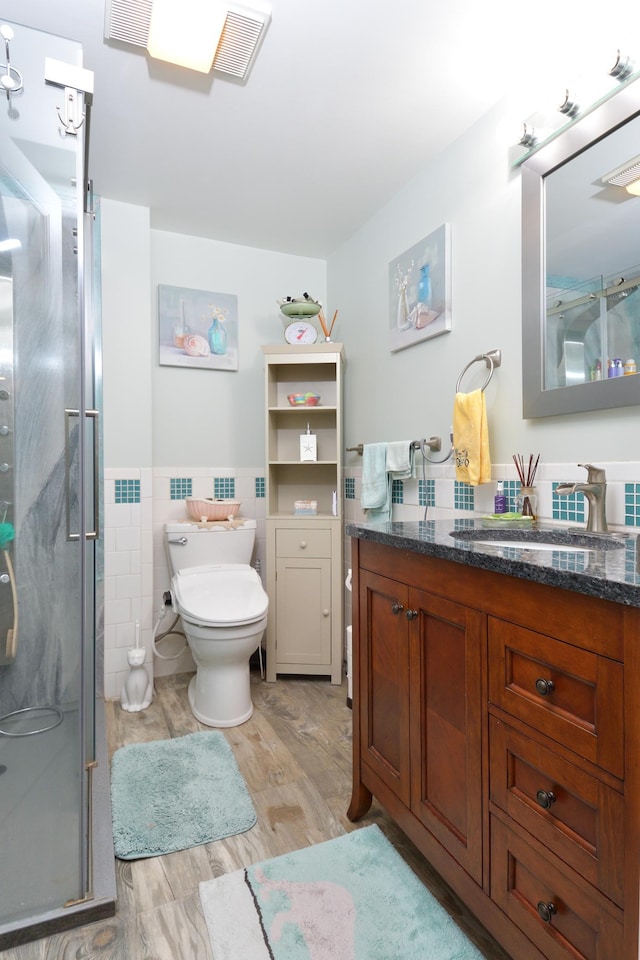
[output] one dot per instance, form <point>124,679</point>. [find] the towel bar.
<point>434,443</point>
<point>492,358</point>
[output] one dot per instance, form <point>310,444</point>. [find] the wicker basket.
<point>212,509</point>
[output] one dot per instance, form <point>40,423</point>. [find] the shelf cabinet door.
<point>446,703</point>
<point>303,612</point>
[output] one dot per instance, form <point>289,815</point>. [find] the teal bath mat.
<point>353,898</point>
<point>168,795</point>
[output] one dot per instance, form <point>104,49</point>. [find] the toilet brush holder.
<point>137,691</point>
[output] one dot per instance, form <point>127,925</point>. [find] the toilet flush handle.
<point>180,542</point>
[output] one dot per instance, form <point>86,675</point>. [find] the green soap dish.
<point>501,520</point>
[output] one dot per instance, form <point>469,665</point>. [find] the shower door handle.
<point>93,415</point>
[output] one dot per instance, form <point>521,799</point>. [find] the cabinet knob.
<point>546,911</point>
<point>303,544</point>
<point>325,613</point>
<point>545,798</point>
<point>396,607</point>
<point>411,614</point>
<point>544,687</point>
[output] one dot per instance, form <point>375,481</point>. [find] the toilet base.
<point>224,710</point>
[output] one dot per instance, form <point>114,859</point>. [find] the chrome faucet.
<point>595,490</point>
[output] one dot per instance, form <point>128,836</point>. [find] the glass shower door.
<point>46,471</point>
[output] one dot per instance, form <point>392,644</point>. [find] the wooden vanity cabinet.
<point>493,720</point>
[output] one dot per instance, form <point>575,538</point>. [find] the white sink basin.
<point>534,545</point>
<point>538,539</point>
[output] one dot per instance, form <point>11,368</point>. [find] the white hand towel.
<point>374,476</point>
<point>400,459</point>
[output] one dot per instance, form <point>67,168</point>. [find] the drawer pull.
<point>411,614</point>
<point>546,911</point>
<point>303,544</point>
<point>545,798</point>
<point>544,687</point>
<point>396,608</point>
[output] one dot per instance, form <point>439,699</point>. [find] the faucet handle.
<point>594,474</point>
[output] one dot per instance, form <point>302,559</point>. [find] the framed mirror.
<point>581,263</point>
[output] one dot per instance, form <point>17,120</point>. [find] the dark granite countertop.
<point>605,568</point>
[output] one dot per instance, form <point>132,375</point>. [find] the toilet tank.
<point>191,545</point>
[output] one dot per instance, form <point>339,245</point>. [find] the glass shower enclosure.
<point>49,490</point>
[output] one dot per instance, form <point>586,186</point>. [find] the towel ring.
<point>493,359</point>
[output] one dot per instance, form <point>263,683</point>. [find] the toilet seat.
<point>220,595</point>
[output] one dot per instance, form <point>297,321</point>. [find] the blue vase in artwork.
<point>424,285</point>
<point>217,337</point>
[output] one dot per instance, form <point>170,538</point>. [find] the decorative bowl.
<point>304,399</point>
<point>208,509</point>
<point>303,308</point>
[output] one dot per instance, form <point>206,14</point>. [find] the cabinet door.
<point>446,706</point>
<point>384,692</point>
<point>303,611</point>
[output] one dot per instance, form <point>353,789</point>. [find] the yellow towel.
<point>471,438</point>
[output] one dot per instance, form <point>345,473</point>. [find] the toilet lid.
<point>220,594</point>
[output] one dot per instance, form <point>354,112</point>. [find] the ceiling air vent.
<point>128,21</point>
<point>239,41</point>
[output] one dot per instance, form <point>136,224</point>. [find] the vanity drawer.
<point>556,909</point>
<point>303,542</point>
<point>570,695</point>
<point>571,812</point>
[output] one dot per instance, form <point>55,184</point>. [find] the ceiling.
<point>346,101</point>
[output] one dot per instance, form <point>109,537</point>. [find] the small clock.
<point>300,332</point>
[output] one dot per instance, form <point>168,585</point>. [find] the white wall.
<point>203,417</point>
<point>126,341</point>
<point>472,188</point>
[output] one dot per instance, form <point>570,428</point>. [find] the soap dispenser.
<point>499,501</point>
<point>308,445</point>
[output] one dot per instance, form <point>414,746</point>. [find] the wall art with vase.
<point>197,328</point>
<point>420,291</point>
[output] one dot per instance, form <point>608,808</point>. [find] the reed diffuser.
<point>527,498</point>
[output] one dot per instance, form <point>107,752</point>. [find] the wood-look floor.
<point>295,755</point>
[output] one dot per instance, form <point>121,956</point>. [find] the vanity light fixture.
<point>621,70</point>
<point>201,35</point>
<point>569,107</point>
<point>529,137</point>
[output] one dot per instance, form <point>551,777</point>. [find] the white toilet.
<point>223,608</point>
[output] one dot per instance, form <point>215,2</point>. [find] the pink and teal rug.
<point>352,898</point>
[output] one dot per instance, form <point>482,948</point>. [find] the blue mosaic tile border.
<point>570,507</point>
<point>224,488</point>
<point>180,487</point>
<point>349,488</point>
<point>127,491</point>
<point>260,488</point>
<point>397,491</point>
<point>632,504</point>
<point>511,489</point>
<point>426,493</point>
<point>463,496</point>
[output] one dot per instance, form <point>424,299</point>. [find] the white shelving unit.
<point>304,553</point>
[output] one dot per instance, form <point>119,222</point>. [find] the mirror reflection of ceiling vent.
<point>128,21</point>
<point>625,174</point>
